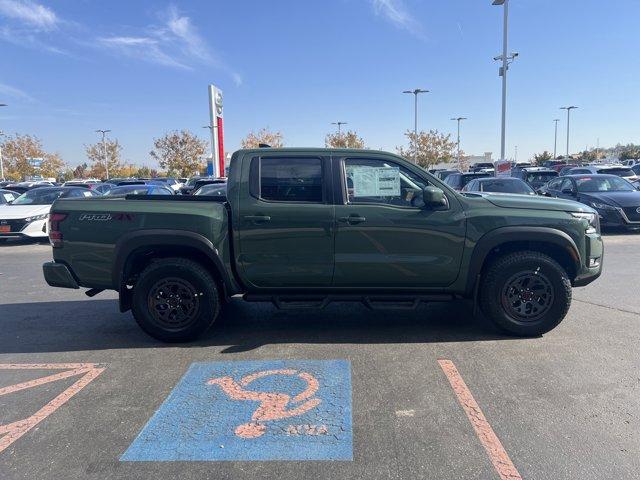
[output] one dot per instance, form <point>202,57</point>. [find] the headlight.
<point>36,217</point>
<point>590,218</point>
<point>602,206</point>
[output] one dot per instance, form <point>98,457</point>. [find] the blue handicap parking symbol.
<point>253,410</point>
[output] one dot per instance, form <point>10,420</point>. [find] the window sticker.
<point>375,181</point>
<point>8,197</point>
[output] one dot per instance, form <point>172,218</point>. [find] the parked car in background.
<point>173,183</point>
<point>443,174</point>
<point>566,168</point>
<point>7,196</point>
<point>499,185</point>
<point>630,162</point>
<point>22,187</point>
<point>27,215</point>
<point>457,181</point>
<point>536,177</point>
<point>139,189</point>
<point>213,189</point>
<point>476,167</point>
<point>188,187</point>
<point>619,170</point>
<point>615,199</point>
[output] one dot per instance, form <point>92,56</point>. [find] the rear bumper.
<point>59,275</point>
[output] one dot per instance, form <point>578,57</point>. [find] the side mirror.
<point>433,197</point>
<point>568,191</point>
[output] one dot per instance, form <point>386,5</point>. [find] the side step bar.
<point>373,302</point>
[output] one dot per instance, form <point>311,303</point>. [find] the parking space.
<point>430,393</point>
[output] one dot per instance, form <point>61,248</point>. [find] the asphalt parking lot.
<point>564,406</point>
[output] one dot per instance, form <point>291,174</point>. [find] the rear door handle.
<point>257,218</point>
<point>352,219</point>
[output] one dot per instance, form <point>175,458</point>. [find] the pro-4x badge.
<point>94,217</point>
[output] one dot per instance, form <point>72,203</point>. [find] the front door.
<point>285,222</point>
<point>384,239</point>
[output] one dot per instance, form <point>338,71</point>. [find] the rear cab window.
<point>287,179</point>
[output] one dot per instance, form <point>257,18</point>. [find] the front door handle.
<point>257,218</point>
<point>352,219</point>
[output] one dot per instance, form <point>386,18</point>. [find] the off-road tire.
<point>494,299</point>
<point>192,291</point>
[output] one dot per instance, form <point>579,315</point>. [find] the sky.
<point>141,68</point>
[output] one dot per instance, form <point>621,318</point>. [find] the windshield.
<point>603,184</point>
<point>128,190</point>
<point>192,181</point>
<point>506,186</point>
<point>621,172</point>
<point>212,189</point>
<point>39,196</point>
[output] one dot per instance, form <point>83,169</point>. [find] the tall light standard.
<point>568,109</point>
<point>459,119</point>
<point>415,93</point>
<point>555,140</point>
<point>1,163</point>
<point>104,151</point>
<point>339,124</point>
<point>506,60</point>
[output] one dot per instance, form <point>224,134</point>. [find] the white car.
<point>27,215</point>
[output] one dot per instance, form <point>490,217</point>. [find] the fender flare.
<point>502,235</point>
<point>132,241</point>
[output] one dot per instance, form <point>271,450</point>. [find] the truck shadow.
<point>68,326</point>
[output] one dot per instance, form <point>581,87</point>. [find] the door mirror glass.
<point>433,197</point>
<point>568,191</point>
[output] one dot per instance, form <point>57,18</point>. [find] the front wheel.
<point>525,293</point>
<point>175,300</point>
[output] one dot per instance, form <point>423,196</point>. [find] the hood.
<point>535,202</point>
<point>9,212</point>
<point>617,199</point>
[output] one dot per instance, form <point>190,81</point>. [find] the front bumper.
<point>21,229</point>
<point>59,275</point>
<point>592,266</point>
<point>617,218</point>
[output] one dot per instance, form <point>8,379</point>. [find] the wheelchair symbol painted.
<point>273,405</point>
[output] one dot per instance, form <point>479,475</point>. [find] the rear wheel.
<point>175,300</point>
<point>525,293</point>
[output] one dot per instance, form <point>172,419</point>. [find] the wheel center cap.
<point>527,296</point>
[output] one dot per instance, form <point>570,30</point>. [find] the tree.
<point>18,149</point>
<point>264,135</point>
<point>81,171</point>
<point>180,153</point>
<point>97,153</point>
<point>630,152</point>
<point>540,158</point>
<point>349,139</point>
<point>430,148</point>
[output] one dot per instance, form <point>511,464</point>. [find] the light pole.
<point>415,93</point>
<point>1,163</point>
<point>568,109</point>
<point>459,119</point>
<point>555,139</point>
<point>339,124</point>
<point>506,59</point>
<point>104,151</point>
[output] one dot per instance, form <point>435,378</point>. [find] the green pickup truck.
<point>302,228</point>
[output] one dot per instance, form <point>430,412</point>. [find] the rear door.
<point>285,221</point>
<point>383,239</point>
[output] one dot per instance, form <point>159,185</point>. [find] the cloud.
<point>13,92</point>
<point>176,43</point>
<point>395,12</point>
<point>142,48</point>
<point>31,13</point>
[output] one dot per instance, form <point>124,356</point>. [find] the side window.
<point>380,181</point>
<point>291,179</point>
<point>555,184</point>
<point>566,185</point>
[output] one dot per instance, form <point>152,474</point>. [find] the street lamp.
<point>339,124</point>
<point>104,151</point>
<point>415,93</point>
<point>568,109</point>
<point>459,119</point>
<point>555,139</point>
<point>1,162</point>
<point>506,59</point>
